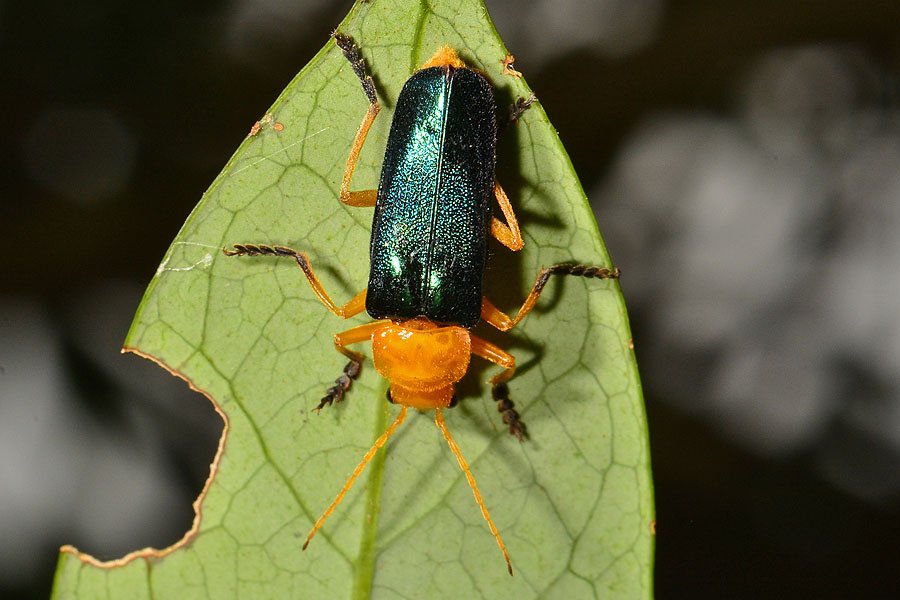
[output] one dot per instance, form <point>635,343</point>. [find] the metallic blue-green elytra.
<point>432,214</point>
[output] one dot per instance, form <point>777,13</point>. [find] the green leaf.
<point>574,503</point>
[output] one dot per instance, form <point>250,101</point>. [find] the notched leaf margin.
<point>155,553</point>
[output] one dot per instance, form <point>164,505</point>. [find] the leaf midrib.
<point>364,577</point>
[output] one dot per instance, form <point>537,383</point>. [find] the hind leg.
<point>351,52</point>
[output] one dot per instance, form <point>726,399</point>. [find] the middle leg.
<point>353,307</point>
<point>499,319</point>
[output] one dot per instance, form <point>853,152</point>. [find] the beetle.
<point>428,252</point>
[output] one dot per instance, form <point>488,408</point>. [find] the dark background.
<point>744,162</point>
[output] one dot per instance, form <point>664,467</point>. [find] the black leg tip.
<point>508,413</point>
<point>341,385</point>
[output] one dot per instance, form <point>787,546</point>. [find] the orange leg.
<point>496,355</point>
<point>439,420</point>
<point>351,52</point>
<point>496,317</point>
<point>351,370</point>
<point>356,305</point>
<point>499,389</point>
<point>356,473</point>
<point>354,336</point>
<point>507,233</point>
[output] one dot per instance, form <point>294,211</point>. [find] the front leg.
<point>351,371</point>
<point>499,389</point>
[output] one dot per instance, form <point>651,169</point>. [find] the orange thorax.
<point>421,360</point>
